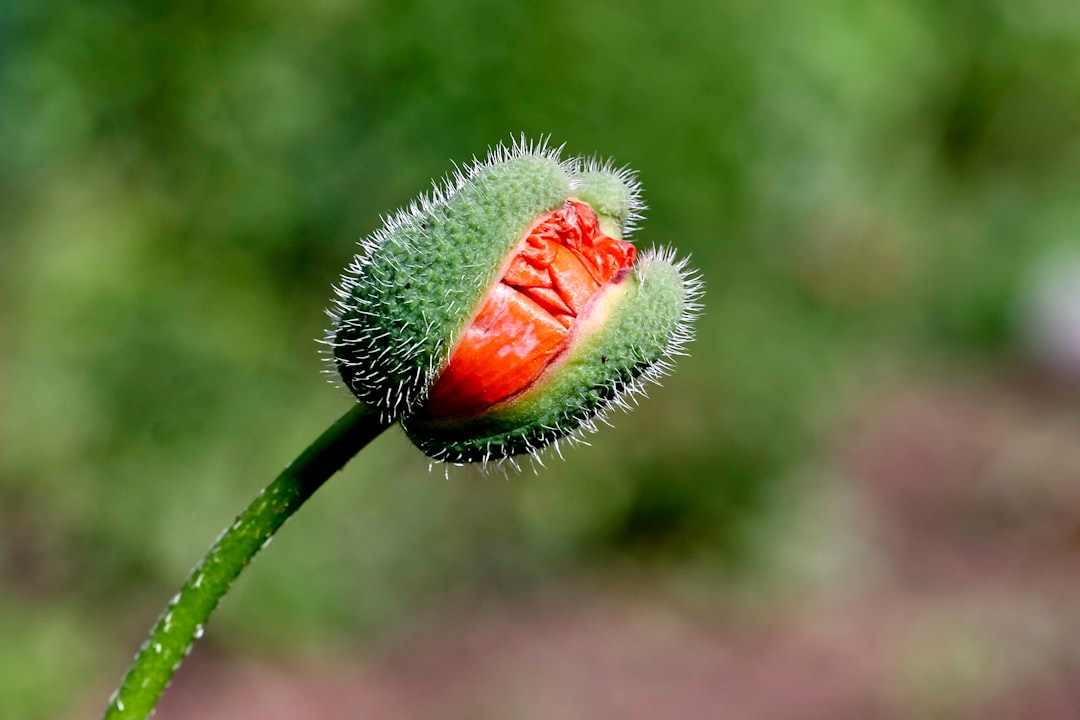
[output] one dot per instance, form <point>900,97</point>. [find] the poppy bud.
<point>506,311</point>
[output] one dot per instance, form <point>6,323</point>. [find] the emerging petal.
<point>596,323</point>
<point>523,324</point>
<point>623,340</point>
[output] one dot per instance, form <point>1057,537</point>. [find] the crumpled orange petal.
<point>525,318</point>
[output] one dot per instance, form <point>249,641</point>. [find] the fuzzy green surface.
<point>415,291</point>
<point>600,366</point>
<point>607,194</point>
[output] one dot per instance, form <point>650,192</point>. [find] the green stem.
<point>181,624</point>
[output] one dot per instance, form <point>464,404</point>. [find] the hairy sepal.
<point>413,288</point>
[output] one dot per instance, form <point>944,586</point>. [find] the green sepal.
<point>415,286</point>
<point>614,195</point>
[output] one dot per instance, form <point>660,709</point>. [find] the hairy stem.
<point>181,624</point>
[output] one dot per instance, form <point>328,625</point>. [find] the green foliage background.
<point>862,185</point>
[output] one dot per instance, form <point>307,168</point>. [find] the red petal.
<point>505,348</point>
<point>526,317</point>
<point>573,282</point>
<point>550,300</point>
<point>523,273</point>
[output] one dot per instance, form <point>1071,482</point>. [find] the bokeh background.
<point>858,498</point>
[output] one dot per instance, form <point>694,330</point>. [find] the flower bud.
<point>505,311</point>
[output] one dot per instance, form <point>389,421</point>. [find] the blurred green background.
<point>880,407</point>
